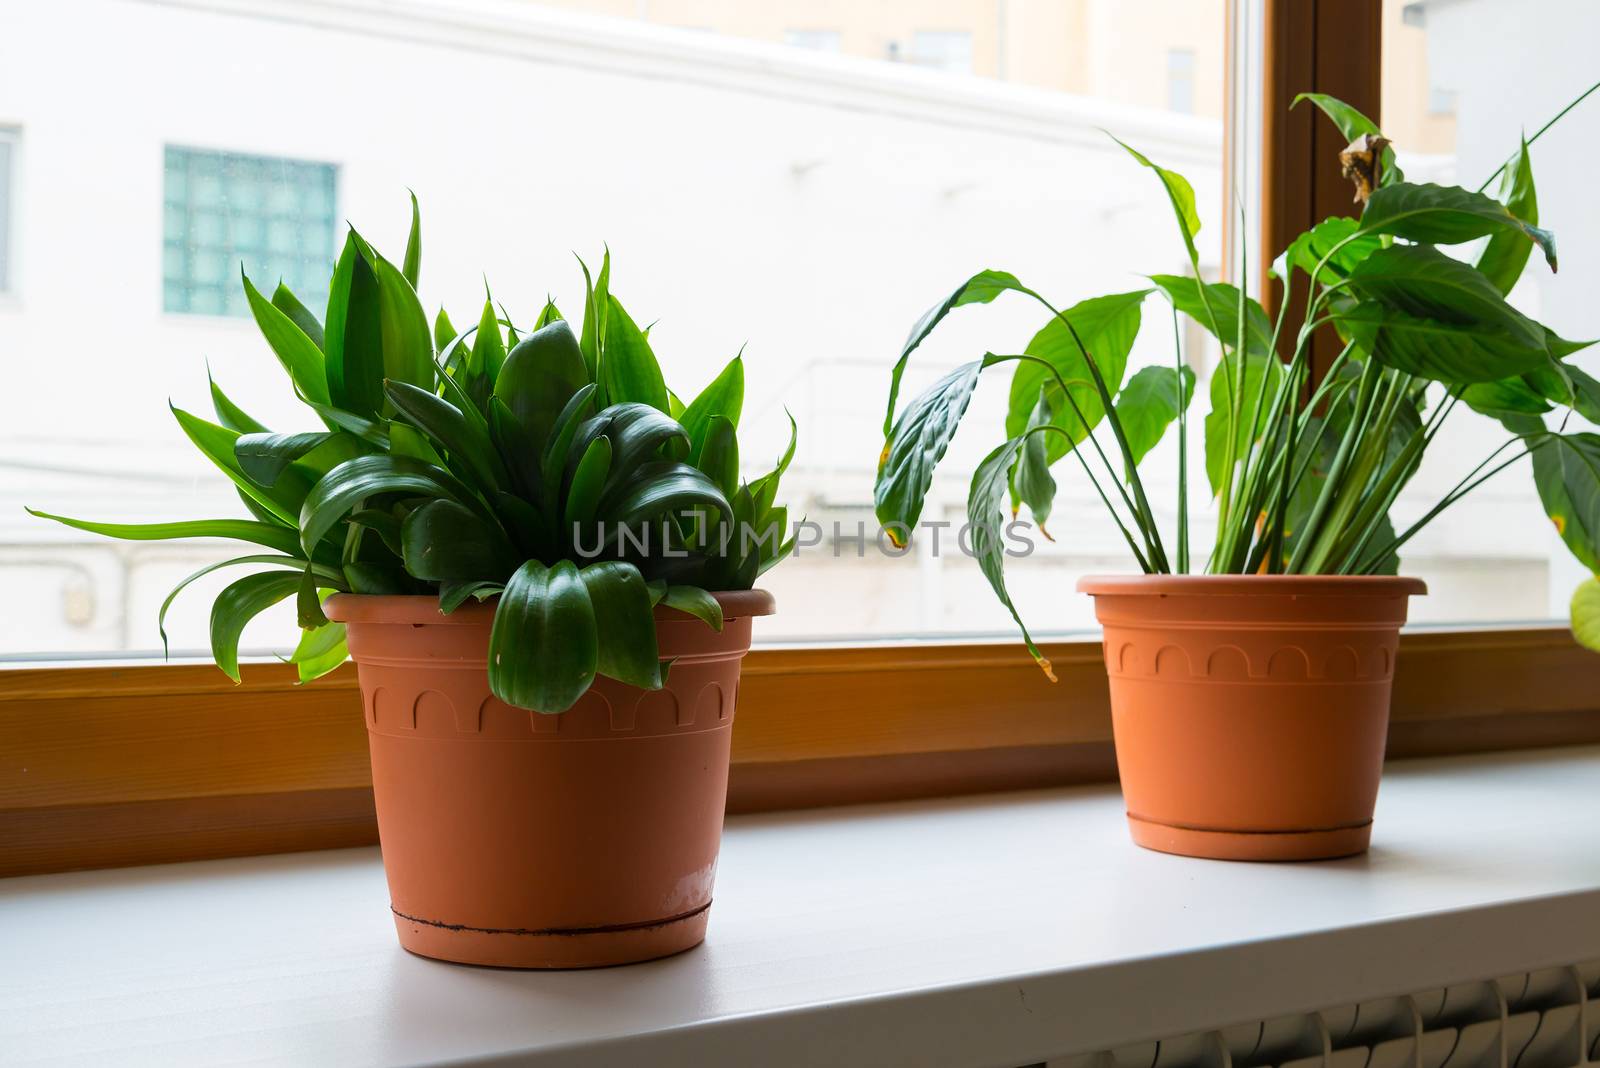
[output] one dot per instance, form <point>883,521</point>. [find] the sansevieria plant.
<point>552,470</point>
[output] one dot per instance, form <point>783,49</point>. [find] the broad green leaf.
<point>403,325</point>
<point>724,397</point>
<point>544,645</point>
<point>217,443</point>
<point>638,433</point>
<point>1433,316</point>
<point>1446,215</point>
<point>282,538</point>
<point>562,434</point>
<point>1179,193</point>
<point>285,301</point>
<point>659,489</point>
<point>379,580</point>
<point>412,269</point>
<point>1223,301</point>
<point>237,605</point>
<point>1507,252</point>
<point>488,346</point>
<point>443,541</point>
<point>1586,614</point>
<point>1218,451</point>
<point>587,483</point>
<point>628,369</point>
<point>981,288</point>
<point>354,481</point>
<point>385,524</point>
<point>987,519</point>
<point>308,603</point>
<point>919,440</point>
<point>1507,397</point>
<point>540,376</point>
<point>696,602</point>
<point>1352,124</point>
<point>1335,240</point>
<point>1149,403</point>
<point>453,595</point>
<point>354,340</point>
<point>407,441</point>
<point>1107,326</point>
<point>300,355</point>
<point>626,624</point>
<point>466,441</point>
<point>1566,470</point>
<point>1031,481</point>
<point>263,457</point>
<point>320,651</point>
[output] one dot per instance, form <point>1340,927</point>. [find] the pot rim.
<point>1252,585</point>
<point>424,608</point>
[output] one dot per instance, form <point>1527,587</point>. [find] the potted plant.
<point>542,562</point>
<point>1250,685</point>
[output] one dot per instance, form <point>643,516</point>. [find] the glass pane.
<point>5,211</point>
<point>753,192</point>
<point>1456,98</point>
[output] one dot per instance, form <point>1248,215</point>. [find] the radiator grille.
<point>1543,1019</point>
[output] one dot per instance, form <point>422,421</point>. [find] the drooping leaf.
<point>624,618</point>
<point>987,519</point>
<point>282,538</point>
<point>353,481</point>
<point>237,605</point>
<point>443,541</point>
<point>320,651</point>
<point>544,644</point>
<point>1150,403</point>
<point>662,488</point>
<point>1031,481</point>
<point>1447,215</point>
<point>628,369</point>
<point>981,288</point>
<point>308,603</point>
<point>696,602</point>
<point>1179,193</point>
<point>1566,471</point>
<point>919,440</point>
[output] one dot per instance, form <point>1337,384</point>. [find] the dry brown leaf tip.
<point>1362,163</point>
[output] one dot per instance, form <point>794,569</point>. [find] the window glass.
<point>1455,102</point>
<point>224,210</point>
<point>1180,80</point>
<point>750,194</point>
<point>5,210</point>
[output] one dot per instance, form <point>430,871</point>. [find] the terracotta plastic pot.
<point>545,841</point>
<point>1250,712</point>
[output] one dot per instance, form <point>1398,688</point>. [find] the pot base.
<point>1250,845</point>
<point>597,948</point>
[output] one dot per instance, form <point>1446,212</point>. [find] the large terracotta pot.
<point>545,841</point>
<point>1250,712</point>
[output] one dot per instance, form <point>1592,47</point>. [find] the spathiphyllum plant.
<point>551,470</point>
<point>1304,471</point>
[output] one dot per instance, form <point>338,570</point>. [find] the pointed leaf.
<point>696,602</point>
<point>237,605</point>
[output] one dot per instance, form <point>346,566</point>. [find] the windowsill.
<point>976,931</point>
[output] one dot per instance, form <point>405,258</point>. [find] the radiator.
<point>1543,1019</point>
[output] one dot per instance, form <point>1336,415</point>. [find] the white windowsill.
<point>980,931</point>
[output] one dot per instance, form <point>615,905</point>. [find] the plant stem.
<point>1540,132</point>
<point>1183,449</point>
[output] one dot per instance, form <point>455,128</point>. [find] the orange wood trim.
<point>153,763</point>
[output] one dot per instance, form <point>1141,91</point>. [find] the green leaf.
<point>1218,452</point>
<point>229,414</point>
<point>1224,311</point>
<point>299,354</point>
<point>412,269</point>
<point>237,605</point>
<point>588,480</point>
<point>919,440</point>
<point>1508,397</point>
<point>1107,326</point>
<point>1335,240</point>
<point>1446,215</point>
<point>1031,481</point>
<point>282,538</point>
<point>1566,471</point>
<point>981,288</point>
<point>628,369</point>
<point>403,325</point>
<point>1352,124</point>
<point>696,602</point>
<point>465,440</point>
<point>443,541</point>
<point>1507,252</point>
<point>1433,316</point>
<point>765,488</point>
<point>540,376</point>
<point>444,335</point>
<point>597,300</point>
<point>217,443</point>
<point>662,488</point>
<point>626,624</point>
<point>556,451</point>
<point>308,604</point>
<point>1586,614</point>
<point>353,481</point>
<point>453,595</point>
<point>547,315</point>
<point>1179,193</point>
<point>719,455</point>
<point>1150,402</point>
<point>263,457</point>
<point>354,334</point>
<point>285,301</point>
<point>488,353</point>
<point>320,651</point>
<point>291,563</point>
<point>987,519</point>
<point>723,397</point>
<point>544,645</point>
<point>379,580</point>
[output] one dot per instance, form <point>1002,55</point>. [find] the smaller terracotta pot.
<point>545,841</point>
<point>1250,712</point>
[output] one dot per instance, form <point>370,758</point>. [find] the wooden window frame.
<point>146,763</point>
